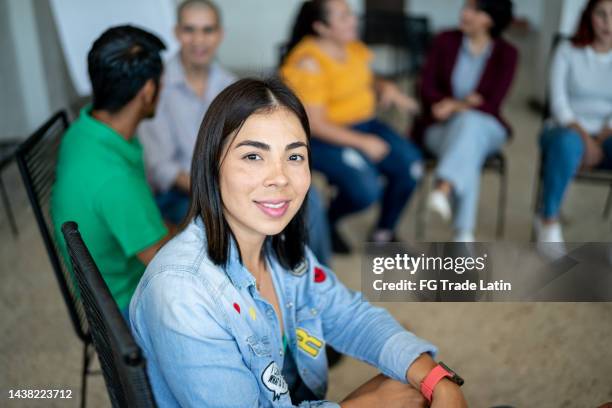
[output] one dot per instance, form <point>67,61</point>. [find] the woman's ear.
<point>319,28</point>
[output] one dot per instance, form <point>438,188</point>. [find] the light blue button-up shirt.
<point>169,138</point>
<point>211,340</point>
<point>469,69</point>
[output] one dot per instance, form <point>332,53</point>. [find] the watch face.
<point>454,376</point>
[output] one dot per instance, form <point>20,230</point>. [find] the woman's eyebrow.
<point>295,145</point>
<point>253,143</point>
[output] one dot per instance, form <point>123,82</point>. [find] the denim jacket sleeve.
<point>355,327</point>
<point>186,336</point>
<point>197,357</point>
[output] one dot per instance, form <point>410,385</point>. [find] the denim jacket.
<point>211,340</point>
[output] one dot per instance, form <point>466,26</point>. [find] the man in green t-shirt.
<point>101,181</point>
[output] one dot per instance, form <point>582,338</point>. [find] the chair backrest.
<point>37,160</point>
<point>122,362</point>
<point>408,32</point>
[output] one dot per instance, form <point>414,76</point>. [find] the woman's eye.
<point>296,157</point>
<point>252,156</point>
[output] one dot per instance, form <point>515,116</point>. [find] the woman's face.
<point>473,20</point>
<point>341,24</point>
<point>264,175</point>
<point>602,22</point>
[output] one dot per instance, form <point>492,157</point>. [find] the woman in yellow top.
<point>328,67</point>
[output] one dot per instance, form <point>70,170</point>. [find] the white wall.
<point>29,101</point>
<point>255,28</point>
<point>445,13</point>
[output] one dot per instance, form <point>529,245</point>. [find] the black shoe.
<point>339,246</point>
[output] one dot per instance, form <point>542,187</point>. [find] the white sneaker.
<point>438,203</point>
<point>464,236</point>
<point>550,242</point>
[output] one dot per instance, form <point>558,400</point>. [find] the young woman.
<point>464,82</point>
<point>329,70</point>
<point>235,311</point>
<point>581,103</point>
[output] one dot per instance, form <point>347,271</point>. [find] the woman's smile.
<point>273,208</point>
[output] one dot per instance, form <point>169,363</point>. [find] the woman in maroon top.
<point>464,82</point>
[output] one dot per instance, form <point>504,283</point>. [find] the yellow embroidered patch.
<point>307,343</point>
<point>252,313</point>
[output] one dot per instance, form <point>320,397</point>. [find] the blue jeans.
<point>357,178</point>
<point>174,205</point>
<point>319,239</point>
<point>562,151</point>
<point>462,144</point>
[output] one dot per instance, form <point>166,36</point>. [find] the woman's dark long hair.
<point>585,33</point>
<point>223,120</point>
<point>310,12</point>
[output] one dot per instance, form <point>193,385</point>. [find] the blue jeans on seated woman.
<point>358,179</point>
<point>462,144</point>
<point>562,151</point>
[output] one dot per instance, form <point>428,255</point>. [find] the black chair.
<point>408,35</point>
<point>37,159</point>
<point>122,362</point>
<point>495,163</point>
<point>595,176</point>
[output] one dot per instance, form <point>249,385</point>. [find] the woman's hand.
<point>604,134</point>
<point>381,391</point>
<point>593,153</point>
<point>390,95</point>
<point>474,100</point>
<point>375,148</point>
<point>447,394</point>
<point>444,109</point>
<point>391,393</point>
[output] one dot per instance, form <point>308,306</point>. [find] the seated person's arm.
<point>183,181</point>
<point>355,327</point>
<point>126,205</point>
<point>146,255</point>
<point>180,330</point>
<point>390,95</point>
<point>159,143</point>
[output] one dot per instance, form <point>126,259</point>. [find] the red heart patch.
<point>319,275</point>
<point>237,307</point>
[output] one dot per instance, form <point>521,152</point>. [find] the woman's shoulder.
<point>566,48</point>
<point>359,50</point>
<point>185,259</point>
<point>448,38</point>
<point>306,49</point>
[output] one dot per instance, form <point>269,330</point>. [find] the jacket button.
<point>289,305</point>
<point>313,311</point>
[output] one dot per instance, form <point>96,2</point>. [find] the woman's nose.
<point>276,175</point>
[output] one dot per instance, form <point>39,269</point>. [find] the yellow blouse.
<point>345,89</point>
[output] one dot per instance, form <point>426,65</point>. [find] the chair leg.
<point>420,223</point>
<point>501,206</point>
<point>606,212</point>
<point>537,197</point>
<point>7,208</point>
<point>87,354</point>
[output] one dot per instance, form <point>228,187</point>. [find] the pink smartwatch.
<point>436,374</point>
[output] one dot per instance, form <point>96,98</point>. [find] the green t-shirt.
<point>101,185</point>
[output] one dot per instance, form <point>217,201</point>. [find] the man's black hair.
<point>120,62</point>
